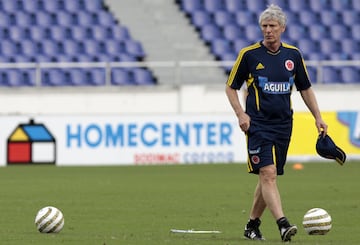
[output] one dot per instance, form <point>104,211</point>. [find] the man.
<point>270,68</point>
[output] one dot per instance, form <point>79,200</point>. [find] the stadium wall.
<point>148,125</point>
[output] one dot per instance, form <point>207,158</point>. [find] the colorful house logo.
<point>31,143</point>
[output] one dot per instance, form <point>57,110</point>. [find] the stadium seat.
<point>298,6</point>
<point>328,46</point>
<point>210,32</point>
<point>51,6</point>
<point>296,32</point>
<point>120,76</point>
<point>59,33</point>
<point>224,18</point>
<point>73,47</point>
<point>86,18</point>
<point>143,76</point>
<point>331,75</point>
<point>201,18</point>
<point>318,32</point>
<point>244,17</point>
<point>307,46</point>
<point>134,48</point>
<point>312,74</point>
<point>12,6</point>
<point>73,6</point>
<point>190,6</point>
<point>18,33</point>
<point>341,5</point>
<point>253,32</point>
<point>234,5</point>
<point>220,46</point>
<point>5,19</point>
<point>319,6</point>
<point>39,33</point>
<point>65,18</point>
<point>350,74</point>
<point>255,5</point>
<point>81,33</point>
<point>340,31</point>
<point>45,19</point>
<point>9,48</point>
<point>120,32</point>
<point>329,17</point>
<point>101,33</point>
<point>106,19</point>
<point>114,46</point>
<point>350,17</point>
<point>350,46</point>
<point>29,48</point>
<point>355,32</point>
<point>233,32</point>
<point>214,5</point>
<point>309,18</point>
<point>93,5</point>
<point>24,19</point>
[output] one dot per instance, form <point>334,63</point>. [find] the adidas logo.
<point>260,66</point>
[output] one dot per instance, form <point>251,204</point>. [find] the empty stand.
<point>324,29</point>
<point>65,31</point>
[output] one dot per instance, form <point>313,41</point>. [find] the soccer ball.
<point>49,220</point>
<point>317,221</point>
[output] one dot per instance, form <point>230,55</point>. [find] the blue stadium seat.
<point>355,32</point>
<point>59,33</point>
<point>15,78</point>
<point>234,5</point>
<point>329,17</point>
<point>284,4</point>
<point>328,46</point>
<point>5,19</point>
<point>93,47</point>
<point>224,18</point>
<point>45,19</point>
<point>93,5</point>
<point>39,33</point>
<point>307,46</point>
<point>73,6</point>
<point>341,5</point>
<point>312,74</point>
<point>350,17</point>
<point>299,6</point>
<point>317,56</point>
<point>18,33</point>
<point>319,5</point>
<point>201,18</point>
<point>309,18</point>
<point>349,46</point>
<point>355,5</point>
<point>339,32</point>
<point>95,76</point>
<point>350,74</point>
<point>189,6</point>
<point>120,32</point>
<point>233,32</point>
<point>221,46</point>
<point>101,33</point>
<point>50,48</point>
<point>143,76</point>
<point>255,5</point>
<point>86,18</point>
<point>214,5</point>
<point>297,32</point>
<point>53,77</point>
<point>210,32</point>
<point>318,32</point>
<point>106,19</point>
<point>29,48</point>
<point>65,18</point>
<point>339,56</point>
<point>134,48</point>
<point>9,48</point>
<point>244,17</point>
<point>72,47</point>
<point>81,33</point>
<point>114,46</point>
<point>51,6</point>
<point>24,19</point>
<point>32,6</point>
<point>120,76</point>
<point>253,32</point>
<point>12,6</point>
<point>241,43</point>
<point>331,75</point>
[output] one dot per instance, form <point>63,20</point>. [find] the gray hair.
<point>273,12</point>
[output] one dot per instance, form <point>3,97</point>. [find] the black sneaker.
<point>252,230</point>
<point>287,232</point>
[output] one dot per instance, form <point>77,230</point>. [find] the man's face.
<point>271,30</point>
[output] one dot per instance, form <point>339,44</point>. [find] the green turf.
<point>140,204</point>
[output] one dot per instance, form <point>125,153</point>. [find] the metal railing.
<point>176,67</point>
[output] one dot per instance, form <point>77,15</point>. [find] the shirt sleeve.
<point>239,72</point>
<point>302,81</point>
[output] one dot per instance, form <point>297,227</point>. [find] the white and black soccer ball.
<point>49,220</point>
<point>317,221</point>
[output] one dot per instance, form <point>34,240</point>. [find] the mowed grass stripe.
<point>140,204</point>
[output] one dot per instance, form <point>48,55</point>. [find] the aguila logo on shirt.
<point>289,65</point>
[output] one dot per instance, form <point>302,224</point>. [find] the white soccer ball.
<point>317,221</point>
<point>49,220</point>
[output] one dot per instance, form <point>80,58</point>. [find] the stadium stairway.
<point>166,35</point>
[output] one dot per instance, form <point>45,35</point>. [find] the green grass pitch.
<point>140,204</point>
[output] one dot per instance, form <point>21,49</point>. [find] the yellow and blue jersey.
<point>270,78</point>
